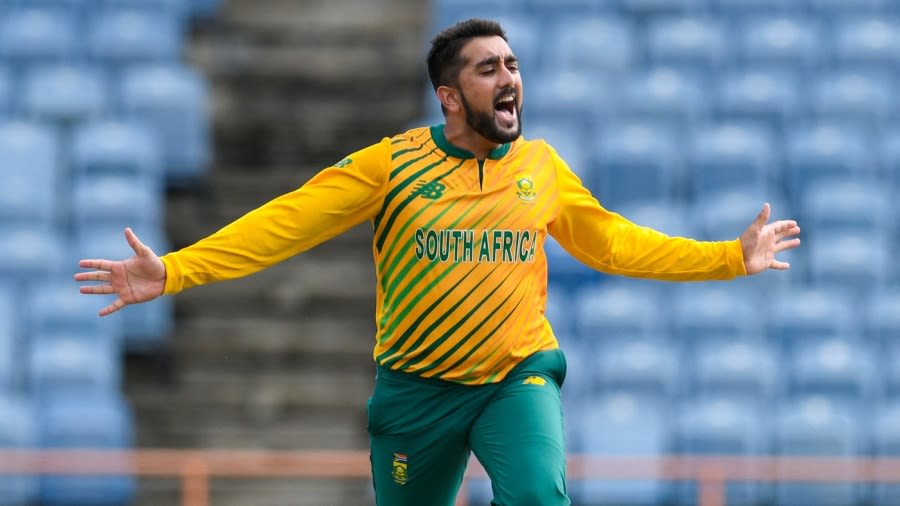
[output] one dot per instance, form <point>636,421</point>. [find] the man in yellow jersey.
<point>466,361</point>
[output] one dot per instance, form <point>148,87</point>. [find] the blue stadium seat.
<point>56,305</point>
<point>721,426</point>
<point>803,314</point>
<point>845,7</point>
<point>550,8</point>
<point>890,368</point>
<point>30,254</point>
<point>591,43</point>
<point>17,432</point>
<point>757,94</point>
<point>889,154</point>
<point>867,42</point>
<point>118,201</point>
<point>38,34</point>
<point>657,7</point>
<point>9,340</point>
<point>668,218</point>
<point>618,311</point>
<point>564,269</point>
<point>173,99</point>
<point>170,7</point>
<point>644,366</point>
<point>116,147</point>
<point>839,368</point>
<point>826,150</point>
<point>665,94</point>
<point>28,155</point>
<point>702,311</point>
<point>621,424</point>
<point>881,320</point>
<point>725,215</point>
<point>817,427</point>
<point>579,99</point>
<point>73,364</point>
<point>732,156</point>
<point>65,93</point>
<point>126,36</point>
<point>886,443</point>
<point>848,205</point>
<point>853,262</point>
<point>102,421</point>
<point>7,90</point>
<point>745,7</point>
<point>687,41</point>
<point>866,98</point>
<point>781,41</point>
<point>745,369</point>
<point>637,161</point>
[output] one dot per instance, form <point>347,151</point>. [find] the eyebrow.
<point>493,60</point>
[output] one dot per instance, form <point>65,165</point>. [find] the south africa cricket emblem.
<point>525,189</point>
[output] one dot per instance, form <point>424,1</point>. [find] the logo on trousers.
<point>399,472</point>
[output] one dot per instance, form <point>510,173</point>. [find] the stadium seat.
<point>725,215</point>
<point>618,311</point>
<point>886,443</point>
<point>854,262</point>
<point>119,37</point>
<point>9,340</point>
<point>657,7</point>
<point>56,305</point>
<point>881,320</point>
<point>757,94</point>
<point>866,98</point>
<point>28,155</point>
<point>73,364</point>
<point>848,205</point>
<point>845,7</point>
<point>119,201</point>
<point>889,364</point>
<point>564,269</point>
<point>17,432</point>
<point>668,218</point>
<point>823,151</point>
<point>578,99</point>
<point>731,156</point>
<point>30,254</point>
<point>866,42</point>
<point>815,426</point>
<point>802,314</point>
<point>35,34</point>
<point>65,93</point>
<point>116,147</point>
<point>838,368</point>
<point>721,426</point>
<point>636,162</point>
<point>590,43</point>
<point>740,369</point>
<point>745,7</point>
<point>644,366</point>
<point>781,41</point>
<point>173,99</point>
<point>889,154</point>
<point>692,42</point>
<point>621,424</point>
<point>7,91</point>
<point>665,94</point>
<point>702,311</point>
<point>100,422</point>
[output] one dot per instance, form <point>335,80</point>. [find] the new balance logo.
<point>429,190</point>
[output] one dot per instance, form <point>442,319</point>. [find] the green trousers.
<point>422,431</point>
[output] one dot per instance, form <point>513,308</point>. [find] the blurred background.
<point>175,117</point>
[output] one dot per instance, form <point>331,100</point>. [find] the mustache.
<point>506,91</point>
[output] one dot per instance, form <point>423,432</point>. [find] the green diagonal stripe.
<point>405,183</point>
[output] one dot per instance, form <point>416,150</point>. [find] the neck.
<point>462,136</point>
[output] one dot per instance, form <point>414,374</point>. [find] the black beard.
<point>486,124</point>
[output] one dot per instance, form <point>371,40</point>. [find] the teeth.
<point>507,99</point>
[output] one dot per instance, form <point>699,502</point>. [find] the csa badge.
<point>400,476</point>
<point>525,189</point>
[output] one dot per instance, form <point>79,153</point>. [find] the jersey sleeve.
<point>612,244</point>
<point>333,201</point>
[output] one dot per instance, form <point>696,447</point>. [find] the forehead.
<point>480,48</point>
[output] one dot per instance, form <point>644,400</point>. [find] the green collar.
<point>437,133</point>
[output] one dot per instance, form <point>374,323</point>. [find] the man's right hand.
<point>137,279</point>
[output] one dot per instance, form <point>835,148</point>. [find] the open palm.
<point>137,279</point>
<point>762,241</point>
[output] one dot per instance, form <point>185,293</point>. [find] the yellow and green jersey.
<point>458,247</point>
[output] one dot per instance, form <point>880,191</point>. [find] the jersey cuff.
<point>173,274</point>
<point>735,255</point>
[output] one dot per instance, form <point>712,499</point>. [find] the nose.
<point>506,77</point>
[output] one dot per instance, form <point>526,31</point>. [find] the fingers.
<point>786,245</point>
<point>93,276</point>
<point>135,243</point>
<point>779,266</point>
<point>112,308</point>
<point>763,215</point>
<point>104,265</point>
<point>97,290</point>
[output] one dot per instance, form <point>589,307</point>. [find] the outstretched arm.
<point>137,279</point>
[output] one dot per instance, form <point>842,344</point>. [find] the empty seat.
<point>65,93</point>
<point>173,99</point>
<point>848,205</point>
<point>889,154</point>
<point>665,94</point>
<point>668,218</point>
<point>37,34</point>
<point>695,42</point>
<point>853,96</point>
<point>889,364</point>
<point>731,156</point>
<point>17,432</point>
<point>116,147</point>
<point>802,314</point>
<point>725,215</point>
<point>9,340</point>
<point>881,320</point>
<point>713,310</point>
<point>841,369</point>
<point>783,41</point>
<point>871,42</point>
<point>613,311</point>
<point>56,305</point>
<point>740,369</point>
<point>118,201</point>
<point>656,7</point>
<point>7,92</point>
<point>99,422</point>
<point>28,155</point>
<point>586,43</point>
<point>844,7</point>
<point>852,262</point>
<point>30,253</point>
<point>824,151</point>
<point>578,99</point>
<point>815,426</point>
<point>638,365</point>
<point>743,7</point>
<point>757,94</point>
<point>886,443</point>
<point>566,270</point>
<point>70,364</point>
<point>636,162</point>
<point>127,36</point>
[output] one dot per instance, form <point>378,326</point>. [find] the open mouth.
<point>505,108</point>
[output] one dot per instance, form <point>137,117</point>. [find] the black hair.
<point>444,62</point>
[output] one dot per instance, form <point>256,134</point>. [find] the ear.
<point>449,98</point>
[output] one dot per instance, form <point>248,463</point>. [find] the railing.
<point>196,467</point>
